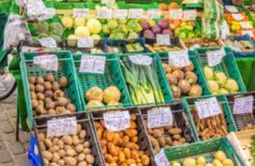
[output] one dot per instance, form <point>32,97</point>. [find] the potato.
<point>62,101</point>
<point>54,148</point>
<point>81,157</point>
<point>41,136</point>
<point>86,150</point>
<point>130,132</point>
<point>55,141</point>
<point>63,82</point>
<point>67,140</point>
<point>157,133</point>
<point>40,96</point>
<point>86,144</point>
<point>39,88</point>
<point>61,162</point>
<point>47,155</point>
<point>162,141</point>
<point>34,103</point>
<point>70,152</point>
<point>50,105</point>
<point>39,80</point>
<point>55,157</point>
<point>48,93</point>
<point>71,107</point>
<point>62,153</point>
<point>76,140</point>
<point>55,86</point>
<point>32,79</point>
<point>46,162</point>
<point>145,160</point>
<point>48,143</point>
<point>70,161</point>
<point>31,87</point>
<point>90,158</point>
<point>50,77</point>
<point>82,134</point>
<point>82,163</point>
<point>177,136</point>
<point>47,85</point>
<point>174,131</point>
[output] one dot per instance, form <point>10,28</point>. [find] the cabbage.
<point>79,21</point>
<point>67,22</point>
<point>94,26</point>
<point>113,24</point>
<point>106,29</point>
<point>41,27</point>
<point>82,31</point>
<point>231,85</point>
<point>56,29</point>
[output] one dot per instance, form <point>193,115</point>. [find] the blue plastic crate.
<point>33,152</point>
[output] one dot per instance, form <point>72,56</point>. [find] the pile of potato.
<point>121,148</point>
<point>183,81</point>
<point>249,126</point>
<point>166,136</point>
<point>47,95</point>
<point>211,127</point>
<point>68,150</point>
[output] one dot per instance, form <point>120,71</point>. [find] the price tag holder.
<point>207,107</point>
<point>81,13</point>
<point>189,15</point>
<point>92,64</point>
<point>225,32</point>
<point>61,126</point>
<point>104,13</point>
<point>117,121</point>
<point>231,9</point>
<point>163,39</point>
<point>161,159</point>
<point>246,25</point>
<point>248,32</point>
<point>243,105</point>
<point>85,42</point>
<point>178,58</point>
<point>215,57</point>
<point>237,16</point>
<point>135,13</point>
<point>140,59</point>
<point>153,13</point>
<point>159,117</point>
<point>120,13</point>
<point>48,42</point>
<point>47,61</point>
<point>176,14</point>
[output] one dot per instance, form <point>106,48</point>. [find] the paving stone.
<point>2,145</point>
<point>7,127</point>
<point>3,116</point>
<point>5,157</point>
<point>16,148</point>
<point>9,137</point>
<point>10,164</point>
<point>23,160</point>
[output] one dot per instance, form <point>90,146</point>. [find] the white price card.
<point>48,13</point>
<point>163,39</point>
<point>237,16</point>
<point>117,121</point>
<point>178,58</point>
<point>154,13</point>
<point>248,32</point>
<point>120,13</point>
<point>92,64</point>
<point>215,57</point>
<point>61,126</point>
<point>48,42</point>
<point>176,14</point>
<point>189,15</point>
<point>225,32</point>
<point>104,13</point>
<point>243,105</point>
<point>85,42</point>
<point>246,25</point>
<point>161,159</point>
<point>81,13</point>
<point>207,107</point>
<point>47,61</point>
<point>135,13</point>
<point>159,117</point>
<point>231,9</point>
<point>140,59</point>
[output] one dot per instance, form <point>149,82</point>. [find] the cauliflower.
<point>82,31</point>
<point>79,22</point>
<point>231,85</point>
<point>208,72</point>
<point>67,22</point>
<point>94,26</point>
<point>71,41</point>
<point>220,77</point>
<point>213,86</point>
<point>111,94</point>
<point>94,93</point>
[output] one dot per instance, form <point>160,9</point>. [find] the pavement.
<point>12,153</point>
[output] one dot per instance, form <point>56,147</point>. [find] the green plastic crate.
<point>112,76</point>
<point>190,102</point>
<point>66,68</point>
<point>228,65</point>
<point>197,69</point>
<point>206,149</point>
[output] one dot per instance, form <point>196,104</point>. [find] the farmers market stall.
<point>133,83</point>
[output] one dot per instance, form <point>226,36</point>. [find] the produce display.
<point>249,126</point>
<point>48,95</point>
<point>198,42</point>
<point>252,150</point>
<point>183,81</point>
<point>134,47</point>
<point>240,46</point>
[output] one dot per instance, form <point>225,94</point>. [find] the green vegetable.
<point>56,29</point>
<point>41,28</point>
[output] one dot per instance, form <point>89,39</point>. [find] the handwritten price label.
<point>189,15</point>
<point>163,39</point>
<point>140,59</point>
<point>104,13</point>
<point>215,57</point>
<point>92,64</point>
<point>237,16</point>
<point>154,13</point>
<point>243,105</point>
<point>246,25</point>
<point>81,13</point>
<point>47,61</point>
<point>159,117</point>
<point>60,127</point>
<point>120,13</point>
<point>48,42</point>
<point>248,32</point>
<point>86,42</point>
<point>117,121</point>
<point>231,8</point>
<point>161,159</point>
<point>178,58</point>
<point>135,13</point>
<point>207,107</point>
<point>176,14</point>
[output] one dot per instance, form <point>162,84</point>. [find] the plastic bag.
<point>15,31</point>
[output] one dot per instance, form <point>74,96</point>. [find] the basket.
<point>197,70</point>
<point>205,149</point>
<point>217,42</point>
<point>140,41</point>
<point>143,140</point>
<point>112,76</point>
<point>180,120</point>
<point>66,68</point>
<point>190,102</point>
<point>228,66</point>
<point>241,120</point>
<point>113,43</point>
<point>83,119</point>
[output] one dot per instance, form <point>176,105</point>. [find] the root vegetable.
<point>62,101</point>
<point>39,88</point>
<point>191,77</point>
<point>179,74</point>
<point>48,93</point>
<point>55,86</point>
<point>63,82</point>
<point>94,93</point>
<point>195,90</point>
<point>71,107</point>
<point>172,79</point>
<point>184,85</point>
<point>39,80</point>
<point>32,79</point>
<point>111,94</point>
<point>190,67</point>
<point>94,103</point>
<point>176,91</point>
<point>50,77</point>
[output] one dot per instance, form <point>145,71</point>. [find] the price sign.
<point>225,32</point>
<point>161,159</point>
<point>248,32</point>
<point>48,42</point>
<point>117,121</point>
<point>237,16</point>
<point>163,39</point>
<point>92,64</point>
<point>189,15</point>
<point>85,42</point>
<point>47,61</point>
<point>178,58</point>
<point>207,107</point>
<point>35,8</point>
<point>140,59</point>
<point>154,13</point>
<point>81,13</point>
<point>47,13</point>
<point>246,25</point>
<point>243,105</point>
<point>135,13</point>
<point>176,14</point>
<point>159,117</point>
<point>215,57</point>
<point>120,13</point>
<point>231,9</point>
<point>104,13</point>
<point>60,127</point>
